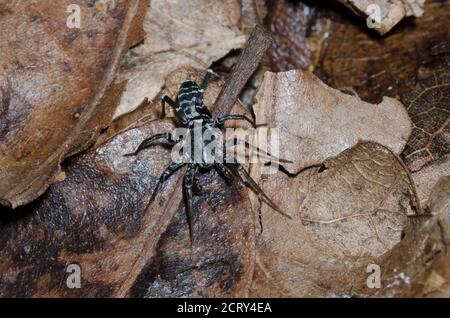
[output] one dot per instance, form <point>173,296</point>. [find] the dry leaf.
<point>353,211</point>
<point>96,217</point>
<point>336,50</point>
<point>57,86</point>
<point>253,13</point>
<point>290,23</point>
<point>387,12</point>
<point>349,58</point>
<point>434,283</point>
<point>428,177</point>
<point>325,40</point>
<point>345,218</point>
<point>438,283</point>
<point>179,33</point>
<point>429,108</point>
<point>316,122</point>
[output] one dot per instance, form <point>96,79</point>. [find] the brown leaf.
<point>179,33</point>
<point>290,23</point>
<point>438,283</point>
<point>56,86</point>
<point>96,217</point>
<point>316,122</point>
<point>394,62</point>
<point>390,12</point>
<point>429,176</point>
<point>429,108</point>
<point>407,63</point>
<point>357,209</point>
<point>344,218</point>
<point>325,39</point>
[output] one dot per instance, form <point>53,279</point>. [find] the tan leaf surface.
<point>337,51</point>
<point>179,33</point>
<point>391,11</point>
<point>429,176</point>
<point>357,209</point>
<point>57,86</point>
<point>316,122</point>
<point>346,217</point>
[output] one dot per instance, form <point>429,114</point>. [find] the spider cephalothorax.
<point>193,115</point>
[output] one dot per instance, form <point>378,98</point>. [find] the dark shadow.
<point>9,215</point>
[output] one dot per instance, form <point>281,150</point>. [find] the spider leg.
<point>166,99</point>
<point>201,107</point>
<point>249,182</point>
<point>197,187</point>
<point>221,121</point>
<point>147,142</point>
<point>171,169</point>
<point>188,184</point>
<point>267,155</point>
<point>222,170</point>
<point>206,80</point>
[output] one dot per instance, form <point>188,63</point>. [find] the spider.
<point>192,113</point>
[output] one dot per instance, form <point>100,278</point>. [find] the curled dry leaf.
<point>57,87</point>
<point>346,217</point>
<point>316,122</point>
<point>385,13</point>
<point>291,24</point>
<point>96,217</point>
<point>179,33</point>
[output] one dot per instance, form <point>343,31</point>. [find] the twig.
<point>255,48</point>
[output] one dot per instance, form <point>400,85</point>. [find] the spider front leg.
<point>148,142</point>
<point>188,185</point>
<point>206,80</point>
<point>166,99</point>
<point>201,91</point>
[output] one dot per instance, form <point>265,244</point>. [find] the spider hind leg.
<point>249,182</point>
<point>223,171</point>
<point>264,154</point>
<point>197,188</point>
<point>188,187</point>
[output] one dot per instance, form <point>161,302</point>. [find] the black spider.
<point>193,114</point>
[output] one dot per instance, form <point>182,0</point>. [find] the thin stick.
<point>255,48</point>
